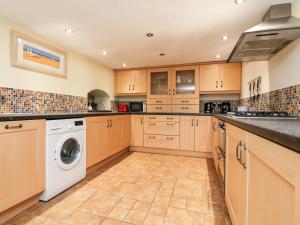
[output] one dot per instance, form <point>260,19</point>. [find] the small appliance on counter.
<point>208,107</point>
<point>225,107</point>
<point>136,106</point>
<point>123,108</point>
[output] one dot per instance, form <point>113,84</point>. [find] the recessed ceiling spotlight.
<point>225,37</point>
<point>124,64</point>
<point>69,31</point>
<point>149,34</point>
<point>218,56</point>
<point>104,52</point>
<point>162,54</point>
<point>239,1</point>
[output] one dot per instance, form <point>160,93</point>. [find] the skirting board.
<point>15,210</point>
<point>171,152</point>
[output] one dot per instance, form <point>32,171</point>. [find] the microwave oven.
<point>136,107</point>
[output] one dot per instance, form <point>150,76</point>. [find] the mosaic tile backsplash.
<point>25,101</point>
<point>281,100</point>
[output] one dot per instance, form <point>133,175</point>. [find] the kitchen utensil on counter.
<point>123,108</point>
<point>225,107</point>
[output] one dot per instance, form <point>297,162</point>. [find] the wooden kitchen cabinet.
<point>187,133</point>
<point>220,78</point>
<point>235,175</point>
<point>214,140</point>
<point>96,139</point>
<point>159,83</point>
<point>203,133</point>
<point>131,82</point>
<point>22,161</point>
<point>230,77</point>
<point>106,136</point>
<point>185,82</point>
<point>137,131</point>
<point>273,183</point>
<point>209,78</point>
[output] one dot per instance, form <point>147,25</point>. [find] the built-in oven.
<point>221,152</point>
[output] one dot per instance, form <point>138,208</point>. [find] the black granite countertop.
<point>53,116</point>
<point>283,131</point>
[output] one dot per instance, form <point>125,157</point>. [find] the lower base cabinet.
<point>22,161</point>
<point>235,176</point>
<point>106,136</point>
<point>262,180</point>
<point>273,184</point>
<point>137,131</point>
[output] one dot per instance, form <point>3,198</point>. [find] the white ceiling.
<point>186,30</point>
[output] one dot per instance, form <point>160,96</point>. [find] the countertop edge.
<point>288,141</point>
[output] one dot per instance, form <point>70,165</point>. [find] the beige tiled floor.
<point>139,188</point>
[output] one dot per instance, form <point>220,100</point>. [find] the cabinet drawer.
<point>165,118</point>
<point>158,108</point>
<point>185,108</point>
<point>185,101</point>
<point>164,128</point>
<point>161,141</point>
<point>159,101</point>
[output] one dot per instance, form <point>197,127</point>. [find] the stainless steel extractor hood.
<point>278,29</point>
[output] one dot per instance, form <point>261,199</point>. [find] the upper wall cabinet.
<point>130,82</point>
<point>159,83</point>
<point>185,82</point>
<point>220,78</point>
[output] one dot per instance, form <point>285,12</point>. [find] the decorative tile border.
<point>24,101</point>
<point>281,100</point>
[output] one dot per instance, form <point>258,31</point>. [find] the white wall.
<point>84,74</point>
<point>285,67</point>
<point>296,8</point>
<point>252,70</point>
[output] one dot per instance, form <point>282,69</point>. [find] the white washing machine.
<point>65,155</point>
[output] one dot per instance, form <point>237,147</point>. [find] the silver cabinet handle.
<point>221,84</point>
<point>185,101</point>
<point>197,123</point>
<point>217,84</point>
<point>151,137</point>
<point>129,87</point>
<point>173,91</point>
<point>111,124</point>
<point>141,120</point>
<point>158,101</point>
<point>13,127</point>
<point>243,159</point>
<point>107,126</point>
<point>238,152</point>
<point>158,107</point>
<point>170,124</point>
<point>169,92</point>
<point>184,107</point>
<point>152,118</point>
<point>133,87</point>
<point>170,138</point>
<point>192,122</point>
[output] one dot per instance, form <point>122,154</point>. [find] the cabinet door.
<point>236,177</point>
<point>126,131</point>
<point>139,85</point>
<point>273,184</point>
<point>187,133</point>
<point>159,83</point>
<point>230,77</point>
<point>203,134</point>
<point>137,131</point>
<point>209,78</point>
<point>115,134</point>
<point>124,82</point>
<point>96,140</point>
<point>22,161</point>
<point>214,127</point>
<point>185,81</point>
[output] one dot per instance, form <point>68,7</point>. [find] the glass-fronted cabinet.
<point>185,81</point>
<point>159,83</point>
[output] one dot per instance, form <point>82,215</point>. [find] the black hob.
<point>259,114</point>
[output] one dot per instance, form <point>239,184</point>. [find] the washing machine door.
<point>68,152</point>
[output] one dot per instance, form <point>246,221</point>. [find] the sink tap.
<point>71,108</point>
